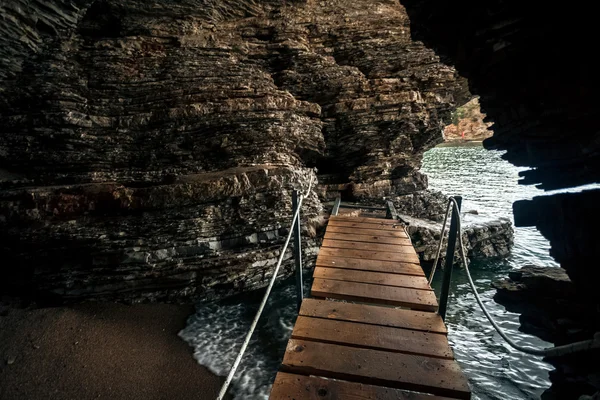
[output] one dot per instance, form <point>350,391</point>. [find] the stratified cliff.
<point>148,149</point>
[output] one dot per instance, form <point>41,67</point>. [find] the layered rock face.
<point>424,213</point>
<point>148,149</point>
<point>529,64</point>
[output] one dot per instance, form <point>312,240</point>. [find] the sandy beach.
<point>100,351</point>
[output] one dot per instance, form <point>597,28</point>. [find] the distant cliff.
<point>468,123</point>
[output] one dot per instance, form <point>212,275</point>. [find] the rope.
<point>546,352</point>
<point>265,298</point>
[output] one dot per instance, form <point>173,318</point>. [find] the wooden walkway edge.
<point>370,330</point>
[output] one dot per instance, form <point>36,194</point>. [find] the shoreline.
<point>461,142</point>
<point>101,351</point>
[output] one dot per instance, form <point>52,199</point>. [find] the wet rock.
<point>425,204</point>
<point>424,212</point>
<point>553,309</point>
<point>549,301</point>
<point>481,238</point>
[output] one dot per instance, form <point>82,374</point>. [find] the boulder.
<point>553,309</point>
<point>483,239</point>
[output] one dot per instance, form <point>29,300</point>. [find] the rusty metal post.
<point>449,258</point>
<point>297,251</point>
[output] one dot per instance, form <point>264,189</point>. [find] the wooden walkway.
<point>366,346</point>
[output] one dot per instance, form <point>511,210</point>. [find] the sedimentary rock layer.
<point>482,239</point>
<point>202,236</point>
<point>148,149</point>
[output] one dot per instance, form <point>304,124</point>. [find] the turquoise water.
<point>488,184</point>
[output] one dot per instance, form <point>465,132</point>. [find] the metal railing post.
<point>336,205</point>
<point>449,258</point>
<point>390,210</point>
<point>297,250</point>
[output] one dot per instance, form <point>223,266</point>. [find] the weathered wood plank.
<point>300,387</point>
<point>344,244</point>
<point>345,229</point>
<point>368,238</point>
<point>375,315</point>
<point>376,367</point>
<point>364,225</point>
<point>408,257</point>
<point>377,278</point>
<point>372,337</point>
<point>370,265</point>
<point>364,220</point>
<point>415,299</point>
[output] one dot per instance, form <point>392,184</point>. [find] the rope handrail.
<point>238,359</point>
<point>545,352</point>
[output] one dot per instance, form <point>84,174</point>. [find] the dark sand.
<point>100,351</point>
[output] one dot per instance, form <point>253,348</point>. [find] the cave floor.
<point>100,351</point>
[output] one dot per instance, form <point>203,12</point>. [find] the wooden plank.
<point>364,225</point>
<point>345,244</point>
<point>368,238</point>
<point>375,315</point>
<point>371,255</point>
<point>370,265</point>
<point>300,387</point>
<point>365,220</point>
<point>377,232</point>
<point>372,337</point>
<point>377,278</point>
<point>376,367</point>
<point>415,299</point>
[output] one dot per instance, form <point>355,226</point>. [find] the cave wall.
<point>532,65</point>
<point>148,149</point>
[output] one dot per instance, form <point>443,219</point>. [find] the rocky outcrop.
<point>548,301</point>
<point>570,222</point>
<point>148,149</point>
<point>552,308</point>
<point>425,204</point>
<point>468,124</point>
<point>201,236</point>
<point>424,212</point>
<point>482,239</point>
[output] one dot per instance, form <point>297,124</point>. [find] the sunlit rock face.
<point>148,150</point>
